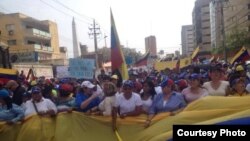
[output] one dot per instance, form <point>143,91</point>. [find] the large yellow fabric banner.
<point>172,64</point>
<point>79,127</point>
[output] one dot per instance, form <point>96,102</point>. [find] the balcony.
<point>38,33</point>
<point>40,48</point>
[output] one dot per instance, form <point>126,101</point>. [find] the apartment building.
<point>150,45</point>
<point>187,40</point>
<point>29,39</point>
<point>201,26</point>
<point>234,17</point>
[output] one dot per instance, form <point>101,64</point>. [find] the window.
<point>205,27</point>
<point>205,13</point>
<point>206,34</point>
<point>248,6</point>
<point>10,27</point>
<point>206,20</point>
<point>11,42</point>
<point>205,43</point>
<point>31,42</point>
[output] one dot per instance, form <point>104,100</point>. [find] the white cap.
<point>87,84</point>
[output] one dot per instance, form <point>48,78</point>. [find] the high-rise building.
<point>29,39</point>
<point>187,39</point>
<point>150,45</point>
<point>201,23</point>
<point>236,16</point>
<point>84,49</point>
<point>76,48</point>
<point>215,24</point>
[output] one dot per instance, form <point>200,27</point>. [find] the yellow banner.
<point>172,64</point>
<point>79,127</point>
<point>8,71</point>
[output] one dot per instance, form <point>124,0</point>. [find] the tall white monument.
<point>76,48</point>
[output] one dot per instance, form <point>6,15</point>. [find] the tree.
<point>237,38</point>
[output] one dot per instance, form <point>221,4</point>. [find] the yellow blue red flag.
<point>117,58</point>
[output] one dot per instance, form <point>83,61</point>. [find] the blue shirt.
<point>80,97</point>
<point>175,102</point>
<point>14,114</point>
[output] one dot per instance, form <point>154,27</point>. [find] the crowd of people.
<point>144,92</point>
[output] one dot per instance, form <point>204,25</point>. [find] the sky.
<point>134,19</point>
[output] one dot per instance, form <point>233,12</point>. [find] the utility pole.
<point>95,31</point>
<point>223,30</point>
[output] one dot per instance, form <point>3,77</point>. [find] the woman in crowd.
<point>127,103</point>
<point>147,95</point>
<point>167,101</point>
<point>108,103</point>
<point>238,88</point>
<point>65,101</point>
<point>9,112</point>
<point>216,87</point>
<point>194,91</point>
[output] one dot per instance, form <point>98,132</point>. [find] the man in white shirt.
<point>39,105</point>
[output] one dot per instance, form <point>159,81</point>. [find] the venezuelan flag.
<point>117,58</point>
<point>143,61</point>
<point>195,53</point>
<point>8,74</point>
<point>241,55</point>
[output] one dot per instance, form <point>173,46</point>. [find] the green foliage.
<point>237,38</point>
<point>217,50</point>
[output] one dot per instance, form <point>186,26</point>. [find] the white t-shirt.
<point>99,91</point>
<point>158,90</point>
<point>189,96</point>
<point>221,91</point>
<point>43,106</point>
<point>128,105</point>
<point>146,104</point>
<point>106,105</point>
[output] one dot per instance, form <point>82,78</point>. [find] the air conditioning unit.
<point>11,32</point>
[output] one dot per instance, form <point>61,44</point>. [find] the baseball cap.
<point>4,93</point>
<point>239,68</point>
<point>114,77</point>
<point>35,90</point>
<point>128,83</point>
<point>167,82</point>
<point>87,84</point>
<point>194,76</point>
<point>182,83</point>
<point>236,81</point>
<point>66,87</point>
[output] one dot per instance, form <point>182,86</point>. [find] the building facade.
<point>29,39</point>
<point>236,18</point>
<point>187,39</point>
<point>216,23</point>
<point>236,15</point>
<point>150,45</point>
<point>201,25</point>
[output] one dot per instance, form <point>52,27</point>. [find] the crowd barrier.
<point>77,126</point>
